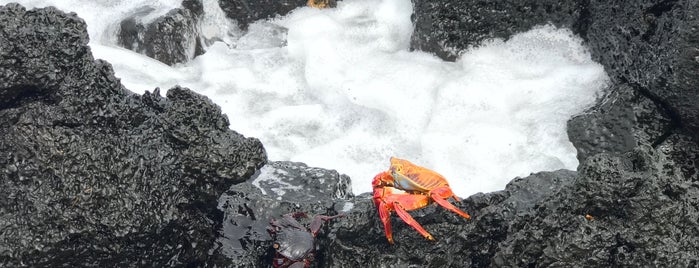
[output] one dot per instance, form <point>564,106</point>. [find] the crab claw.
<point>387,201</point>
<point>382,179</point>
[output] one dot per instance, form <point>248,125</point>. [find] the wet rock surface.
<point>93,175</point>
<point>448,26</point>
<point>628,209</point>
<point>459,242</point>
<point>248,11</point>
<point>633,201</point>
<point>172,38</point>
<point>648,48</point>
<point>277,189</point>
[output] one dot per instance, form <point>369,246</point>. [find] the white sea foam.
<point>345,92</point>
<point>270,176</point>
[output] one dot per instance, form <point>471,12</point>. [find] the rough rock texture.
<point>172,38</point>
<point>650,49</point>
<point>93,175</point>
<point>446,27</point>
<point>248,11</point>
<point>620,210</point>
<point>279,188</point>
<point>635,199</point>
<point>644,213</point>
<point>459,242</point>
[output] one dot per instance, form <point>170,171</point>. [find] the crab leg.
<point>318,222</point>
<point>439,196</point>
<point>385,216</point>
<point>290,219</point>
<point>410,220</point>
<point>386,201</point>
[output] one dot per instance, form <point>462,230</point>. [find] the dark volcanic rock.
<point>635,200</point>
<point>650,47</point>
<point>653,47</point>
<point>279,188</point>
<point>626,210</point>
<point>172,38</point>
<point>93,175</point>
<point>624,119</point>
<point>447,27</point>
<point>649,50</point>
<point>643,212</point>
<point>248,11</point>
<point>459,242</point>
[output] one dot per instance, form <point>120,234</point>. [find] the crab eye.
<point>276,246</point>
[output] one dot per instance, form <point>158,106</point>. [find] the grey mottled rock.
<point>644,212</point>
<point>172,38</point>
<point>279,188</point>
<point>93,175</point>
<point>248,11</point>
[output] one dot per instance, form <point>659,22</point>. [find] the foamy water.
<point>341,89</point>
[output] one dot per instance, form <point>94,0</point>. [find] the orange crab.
<point>422,186</point>
<point>321,3</point>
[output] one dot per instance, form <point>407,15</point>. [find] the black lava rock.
<point>459,242</point>
<point>634,200</point>
<point>279,188</point>
<point>248,11</point>
<point>619,210</point>
<point>632,209</point>
<point>651,48</point>
<point>94,175</point>
<point>622,120</point>
<point>648,48</point>
<point>172,38</point>
<point>447,27</point>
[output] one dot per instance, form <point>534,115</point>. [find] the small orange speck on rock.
<point>589,217</point>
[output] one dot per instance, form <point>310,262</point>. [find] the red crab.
<point>422,186</point>
<point>294,244</point>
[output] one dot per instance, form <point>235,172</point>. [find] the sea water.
<point>340,89</point>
